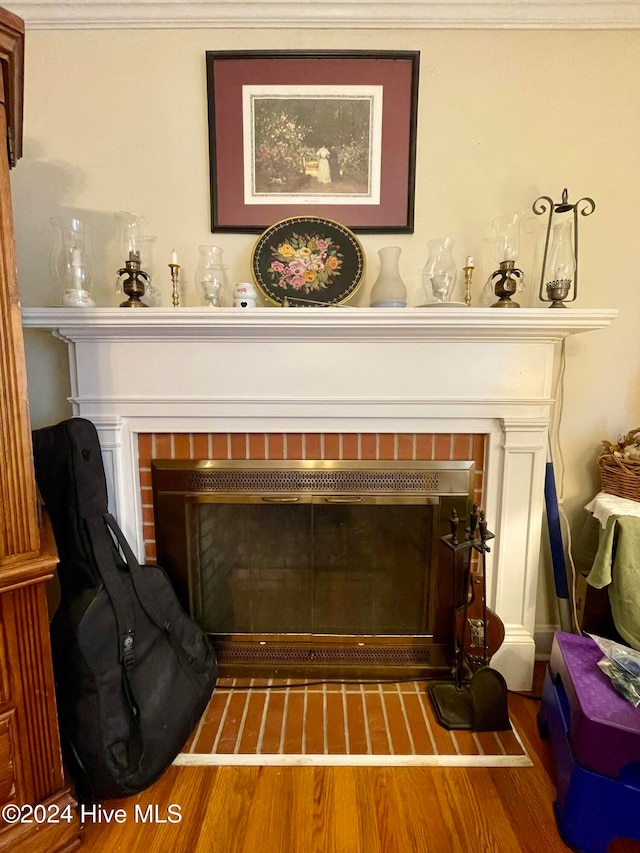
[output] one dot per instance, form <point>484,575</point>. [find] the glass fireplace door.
<point>311,565</point>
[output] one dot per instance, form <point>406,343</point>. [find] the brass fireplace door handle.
<point>331,499</point>
<point>277,499</point>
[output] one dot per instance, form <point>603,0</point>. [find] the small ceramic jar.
<point>244,295</point>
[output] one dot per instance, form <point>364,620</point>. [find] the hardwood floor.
<point>344,809</point>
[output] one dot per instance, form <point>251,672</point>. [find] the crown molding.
<point>357,14</point>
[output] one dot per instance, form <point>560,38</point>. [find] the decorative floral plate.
<point>308,260</point>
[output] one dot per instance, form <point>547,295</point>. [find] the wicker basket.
<point>620,475</point>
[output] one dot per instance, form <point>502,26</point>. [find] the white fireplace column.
<point>338,370</point>
<point>520,498</point>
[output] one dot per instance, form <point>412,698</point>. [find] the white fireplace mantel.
<point>317,323</point>
<point>352,370</point>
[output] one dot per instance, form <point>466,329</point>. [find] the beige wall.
<point>117,120</point>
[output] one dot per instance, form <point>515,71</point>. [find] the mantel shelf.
<point>318,324</point>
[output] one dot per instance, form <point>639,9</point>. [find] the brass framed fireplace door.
<point>331,570</point>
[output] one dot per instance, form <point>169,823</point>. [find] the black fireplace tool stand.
<point>476,697</point>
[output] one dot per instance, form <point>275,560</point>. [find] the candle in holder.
<point>468,274</point>
<point>76,269</point>
<point>174,266</point>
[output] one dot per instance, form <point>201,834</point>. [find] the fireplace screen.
<point>326,566</point>
<point>317,565</point>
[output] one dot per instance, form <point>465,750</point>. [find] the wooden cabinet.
<point>31,771</point>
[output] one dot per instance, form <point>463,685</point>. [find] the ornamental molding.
<point>356,14</point>
<point>318,324</point>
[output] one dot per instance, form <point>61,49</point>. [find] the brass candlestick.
<point>175,293</point>
<point>134,283</point>
<point>505,282</point>
<point>468,275</point>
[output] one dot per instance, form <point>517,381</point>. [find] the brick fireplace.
<point>348,381</point>
<point>293,446</point>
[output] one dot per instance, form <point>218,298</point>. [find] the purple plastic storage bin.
<point>591,809</point>
<point>604,728</point>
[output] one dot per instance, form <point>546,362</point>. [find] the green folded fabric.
<point>617,565</point>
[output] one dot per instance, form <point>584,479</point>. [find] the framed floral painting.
<point>297,133</point>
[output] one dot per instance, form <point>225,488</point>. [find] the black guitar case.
<point>133,672</point>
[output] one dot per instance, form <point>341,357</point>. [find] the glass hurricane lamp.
<point>507,279</point>
<point>71,261</point>
<point>440,271</point>
<point>559,273</point>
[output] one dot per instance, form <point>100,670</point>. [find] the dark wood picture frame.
<point>275,115</point>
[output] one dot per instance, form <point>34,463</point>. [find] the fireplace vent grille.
<point>275,654</point>
<point>314,481</point>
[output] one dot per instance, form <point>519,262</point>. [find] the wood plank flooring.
<point>347,809</point>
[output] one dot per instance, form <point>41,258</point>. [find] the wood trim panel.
<point>12,61</point>
<point>36,570</point>
<point>60,837</point>
<point>19,538</point>
<point>30,753</point>
<point>8,783</point>
<point>24,616</point>
<point>5,686</point>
